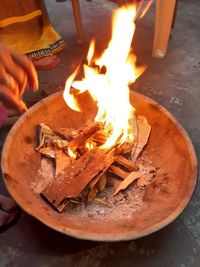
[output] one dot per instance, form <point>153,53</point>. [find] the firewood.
<point>76,176</point>
<point>62,161</point>
<point>101,136</point>
<point>67,133</point>
<point>92,194</point>
<point>128,164</point>
<point>103,171</point>
<point>129,179</point>
<point>81,138</point>
<point>98,187</point>
<point>48,151</point>
<point>118,171</point>
<point>124,149</point>
<point>101,184</point>
<point>100,201</point>
<point>48,139</point>
<point>144,130</point>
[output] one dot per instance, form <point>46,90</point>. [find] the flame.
<point>110,88</point>
<point>91,51</point>
<point>89,145</point>
<point>71,153</point>
<point>68,97</point>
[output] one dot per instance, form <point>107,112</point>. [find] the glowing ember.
<point>110,89</point>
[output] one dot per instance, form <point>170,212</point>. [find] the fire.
<point>71,153</point>
<point>110,88</point>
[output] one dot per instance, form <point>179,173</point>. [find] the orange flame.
<point>110,90</point>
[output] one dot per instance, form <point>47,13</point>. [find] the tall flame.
<point>110,88</point>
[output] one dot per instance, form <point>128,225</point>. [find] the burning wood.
<point>76,177</point>
<point>85,172</point>
<point>80,139</point>
<point>143,132</point>
<point>84,156</point>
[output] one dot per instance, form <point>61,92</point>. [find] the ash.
<point>123,205</point>
<point>46,174</point>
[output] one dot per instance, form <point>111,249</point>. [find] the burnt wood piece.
<point>76,176</point>
<point>62,161</point>
<point>67,133</point>
<point>128,180</point>
<point>82,137</point>
<point>102,172</point>
<point>125,148</point>
<point>102,135</point>
<point>118,171</point>
<point>92,194</point>
<point>128,164</point>
<point>144,130</point>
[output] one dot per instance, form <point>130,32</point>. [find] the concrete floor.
<point>174,83</point>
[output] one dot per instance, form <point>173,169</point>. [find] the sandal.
<point>45,63</point>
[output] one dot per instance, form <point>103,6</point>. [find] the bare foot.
<point>48,62</point>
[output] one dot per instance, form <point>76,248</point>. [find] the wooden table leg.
<point>163,23</point>
<point>77,18</point>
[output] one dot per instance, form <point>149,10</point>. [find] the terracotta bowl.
<point>169,148</point>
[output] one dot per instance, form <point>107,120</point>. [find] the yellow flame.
<point>89,145</point>
<point>68,97</point>
<point>110,89</point>
<point>91,51</point>
<point>71,153</point>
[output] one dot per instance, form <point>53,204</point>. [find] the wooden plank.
<point>129,164</point>
<point>76,176</point>
<point>129,179</point>
<point>119,172</point>
<point>82,137</point>
<point>144,130</point>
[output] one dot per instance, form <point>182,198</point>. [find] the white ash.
<point>46,174</point>
<point>123,205</point>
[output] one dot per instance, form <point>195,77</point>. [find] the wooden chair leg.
<point>163,23</point>
<point>77,18</point>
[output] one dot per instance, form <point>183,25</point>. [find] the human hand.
<point>16,73</point>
